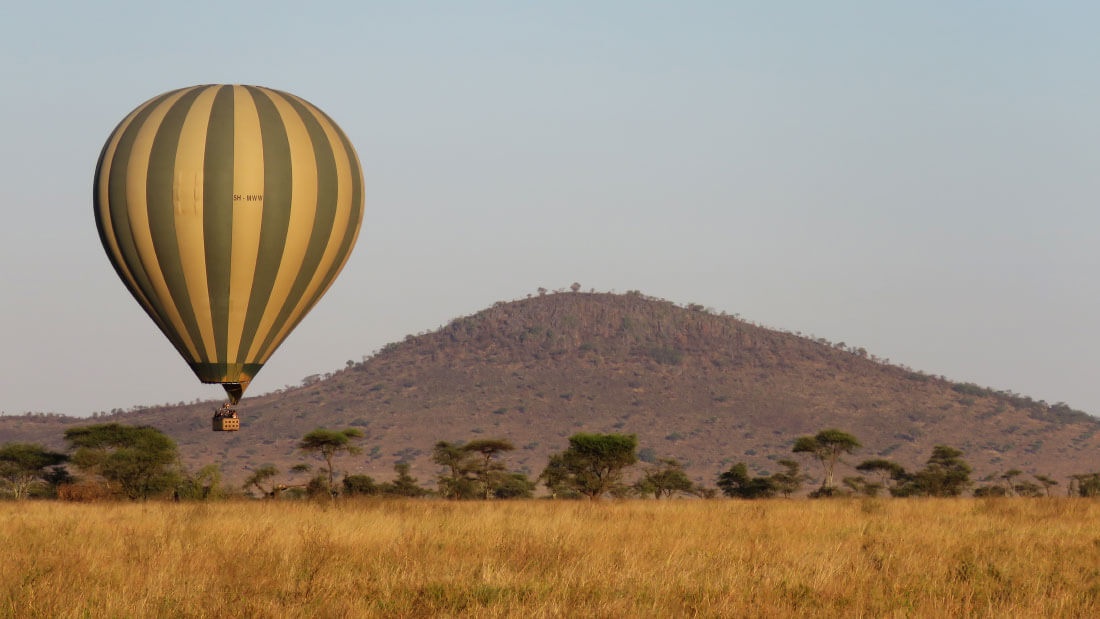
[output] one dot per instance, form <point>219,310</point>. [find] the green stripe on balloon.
<point>217,196</point>
<point>276,214</point>
<point>354,219</point>
<point>160,204</point>
<point>118,207</point>
<point>323,220</point>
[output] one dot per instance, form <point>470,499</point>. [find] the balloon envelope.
<point>227,211</point>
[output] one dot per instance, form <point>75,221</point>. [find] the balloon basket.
<point>227,424</point>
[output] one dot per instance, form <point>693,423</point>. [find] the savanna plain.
<point>994,557</point>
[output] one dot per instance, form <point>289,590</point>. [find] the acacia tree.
<point>262,475</point>
<point>1084,484</point>
<point>404,484</point>
<point>557,479</point>
<point>458,480</point>
<point>1009,478</point>
<point>140,459</point>
<point>593,465</point>
<point>326,444</point>
<point>513,485</point>
<point>1046,481</point>
<point>737,483</point>
<point>890,474</point>
<point>361,485</point>
<point>203,485</point>
<point>827,446</point>
<point>945,475</point>
<point>489,470</point>
<point>22,465</point>
<point>665,480</point>
<point>789,480</point>
<point>474,470</point>
<point>263,479</point>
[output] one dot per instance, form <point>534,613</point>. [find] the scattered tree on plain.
<point>327,444</point>
<point>488,469</point>
<point>737,483</point>
<point>514,485</point>
<point>263,480</point>
<point>790,479</point>
<point>475,470</point>
<point>1028,488</point>
<point>1009,478</point>
<point>360,485</point>
<point>827,446</point>
<point>404,485</point>
<point>23,466</point>
<point>1009,484</point>
<point>457,482</point>
<point>139,459</point>
<point>890,475</point>
<point>665,480</point>
<point>945,475</point>
<point>557,479</point>
<point>592,466</point>
<point>1084,485</point>
<point>1047,482</point>
<point>203,485</point>
<point>860,485</point>
<point>264,475</point>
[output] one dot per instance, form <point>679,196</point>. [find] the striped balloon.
<point>227,211</point>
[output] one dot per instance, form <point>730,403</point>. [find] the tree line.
<point>141,462</point>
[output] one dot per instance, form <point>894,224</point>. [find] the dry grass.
<point>921,558</point>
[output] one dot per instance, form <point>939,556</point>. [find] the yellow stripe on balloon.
<point>108,227</point>
<point>339,227</point>
<point>138,211</point>
<point>303,210</point>
<point>248,179</point>
<point>187,199</point>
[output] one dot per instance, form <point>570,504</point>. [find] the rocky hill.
<point>707,389</point>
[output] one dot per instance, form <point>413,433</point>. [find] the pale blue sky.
<point>919,179</point>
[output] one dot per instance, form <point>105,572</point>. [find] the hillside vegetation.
<point>707,389</point>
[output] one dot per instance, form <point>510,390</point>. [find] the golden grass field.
<point>409,558</point>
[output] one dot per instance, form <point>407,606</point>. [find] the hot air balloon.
<point>227,211</point>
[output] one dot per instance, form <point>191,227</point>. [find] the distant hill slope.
<point>706,389</point>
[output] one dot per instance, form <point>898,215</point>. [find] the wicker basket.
<point>227,424</point>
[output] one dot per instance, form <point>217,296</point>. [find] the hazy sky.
<point>919,179</point>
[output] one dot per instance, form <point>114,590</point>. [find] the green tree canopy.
<point>327,444</point>
<point>593,465</point>
<point>1085,484</point>
<point>665,480</point>
<point>558,479</point>
<point>203,485</point>
<point>789,480</point>
<point>360,485</point>
<point>736,482</point>
<point>890,474</point>
<point>1046,481</point>
<point>458,481</point>
<point>141,460</point>
<point>945,475</point>
<point>488,469</point>
<point>404,484</point>
<point>474,470</point>
<point>264,474</point>
<point>514,485</point>
<point>827,446</point>
<point>23,465</point>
